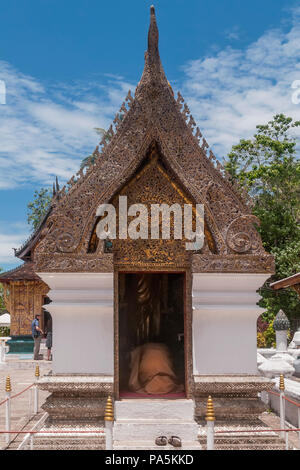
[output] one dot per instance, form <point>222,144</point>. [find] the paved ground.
<point>20,379</point>
<point>273,421</point>
<point>22,374</point>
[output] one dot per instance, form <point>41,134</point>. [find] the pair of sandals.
<point>174,441</point>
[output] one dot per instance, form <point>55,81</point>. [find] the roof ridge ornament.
<point>153,36</point>
<point>207,151</point>
<point>153,78</point>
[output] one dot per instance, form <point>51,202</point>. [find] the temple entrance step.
<point>138,422</point>
<point>156,408</point>
<point>149,430</point>
<point>150,445</point>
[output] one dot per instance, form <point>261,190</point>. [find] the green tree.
<point>92,158</point>
<point>37,209</point>
<point>268,168</point>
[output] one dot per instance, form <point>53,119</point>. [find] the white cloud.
<point>47,129</point>
<point>12,235</point>
<point>232,91</point>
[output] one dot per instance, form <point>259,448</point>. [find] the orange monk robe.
<point>152,371</point>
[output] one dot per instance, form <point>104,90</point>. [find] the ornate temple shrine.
<point>147,320</point>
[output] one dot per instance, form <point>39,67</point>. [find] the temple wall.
<point>82,312</point>
<point>224,322</point>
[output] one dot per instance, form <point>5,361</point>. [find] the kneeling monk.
<point>152,371</point>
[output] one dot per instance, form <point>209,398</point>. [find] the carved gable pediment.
<point>152,115</point>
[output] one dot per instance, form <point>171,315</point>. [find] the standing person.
<point>48,335</point>
<point>37,336</point>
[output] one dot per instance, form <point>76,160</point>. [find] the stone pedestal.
<point>235,397</point>
<point>76,398</point>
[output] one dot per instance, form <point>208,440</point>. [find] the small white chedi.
<point>282,361</point>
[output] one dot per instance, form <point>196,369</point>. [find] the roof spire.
<point>153,75</point>
<point>153,37</point>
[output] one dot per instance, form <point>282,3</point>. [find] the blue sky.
<point>67,67</point>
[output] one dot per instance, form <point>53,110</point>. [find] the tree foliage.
<point>92,158</point>
<point>37,209</point>
<point>268,168</point>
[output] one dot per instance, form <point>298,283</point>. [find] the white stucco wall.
<point>224,322</point>
<point>82,312</point>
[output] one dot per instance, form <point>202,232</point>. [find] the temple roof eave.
<point>286,282</point>
<point>25,272</point>
<point>24,252</point>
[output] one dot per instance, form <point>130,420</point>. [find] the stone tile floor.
<point>273,421</point>
<point>20,379</point>
<point>22,374</point>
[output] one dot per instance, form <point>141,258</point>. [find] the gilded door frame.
<point>187,318</point>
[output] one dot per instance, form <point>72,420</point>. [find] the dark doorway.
<point>151,334</point>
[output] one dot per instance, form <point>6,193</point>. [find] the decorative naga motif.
<point>57,239</point>
<point>64,241</point>
<point>152,115</point>
<point>242,236</point>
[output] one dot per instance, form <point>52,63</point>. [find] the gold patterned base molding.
<point>230,385</point>
<point>200,263</point>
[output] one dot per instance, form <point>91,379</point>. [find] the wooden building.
<point>24,295</point>
<point>292,281</point>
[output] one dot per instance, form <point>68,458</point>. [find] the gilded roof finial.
<point>153,37</point>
